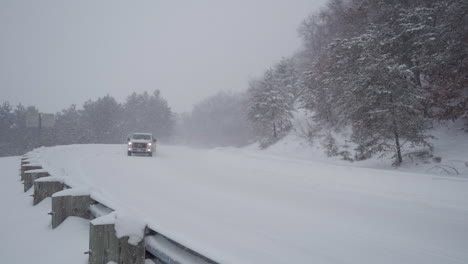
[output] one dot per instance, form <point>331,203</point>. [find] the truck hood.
<point>141,141</point>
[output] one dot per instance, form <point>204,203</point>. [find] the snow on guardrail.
<point>128,233</point>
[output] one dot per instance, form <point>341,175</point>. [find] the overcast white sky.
<point>54,53</point>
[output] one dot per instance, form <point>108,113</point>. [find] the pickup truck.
<point>141,143</point>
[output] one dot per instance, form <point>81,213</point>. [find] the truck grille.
<point>139,145</point>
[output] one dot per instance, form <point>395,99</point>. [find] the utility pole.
<point>39,136</point>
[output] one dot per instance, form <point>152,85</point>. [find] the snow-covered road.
<point>242,206</point>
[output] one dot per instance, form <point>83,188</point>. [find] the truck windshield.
<point>141,136</point>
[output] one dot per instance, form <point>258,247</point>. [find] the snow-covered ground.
<point>247,206</point>
<point>450,143</point>
<point>25,230</point>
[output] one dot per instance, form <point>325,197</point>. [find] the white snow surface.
<point>450,143</point>
<point>35,171</point>
<point>108,219</point>
<point>50,179</point>
<point>72,192</point>
<point>30,160</point>
<point>25,230</point>
<point>131,226</point>
<point>31,164</point>
<point>245,206</point>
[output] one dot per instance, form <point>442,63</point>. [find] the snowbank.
<point>25,229</point>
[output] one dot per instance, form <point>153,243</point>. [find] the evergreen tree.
<point>438,32</point>
<point>101,120</point>
<point>6,123</point>
<point>69,128</point>
<point>148,113</point>
<point>381,98</point>
<point>270,107</point>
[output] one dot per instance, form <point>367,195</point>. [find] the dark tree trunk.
<point>397,144</point>
<point>274,125</point>
<point>274,130</point>
<point>396,134</point>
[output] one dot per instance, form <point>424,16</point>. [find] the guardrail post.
<point>131,254</point>
<point>31,175</point>
<point>29,166</point>
<point>66,203</point>
<point>105,246</point>
<point>46,187</point>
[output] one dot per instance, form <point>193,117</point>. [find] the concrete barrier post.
<point>46,187</point>
<point>25,159</point>
<point>105,246</point>
<point>60,209</point>
<point>28,167</point>
<point>131,254</point>
<point>68,203</point>
<point>31,175</point>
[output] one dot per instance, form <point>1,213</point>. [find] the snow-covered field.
<point>25,230</point>
<point>246,206</point>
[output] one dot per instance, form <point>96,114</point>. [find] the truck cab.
<point>141,143</point>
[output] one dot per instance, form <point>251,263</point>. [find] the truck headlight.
<point>129,143</point>
<point>149,144</point>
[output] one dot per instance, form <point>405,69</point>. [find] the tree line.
<point>385,68</point>
<point>100,121</point>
